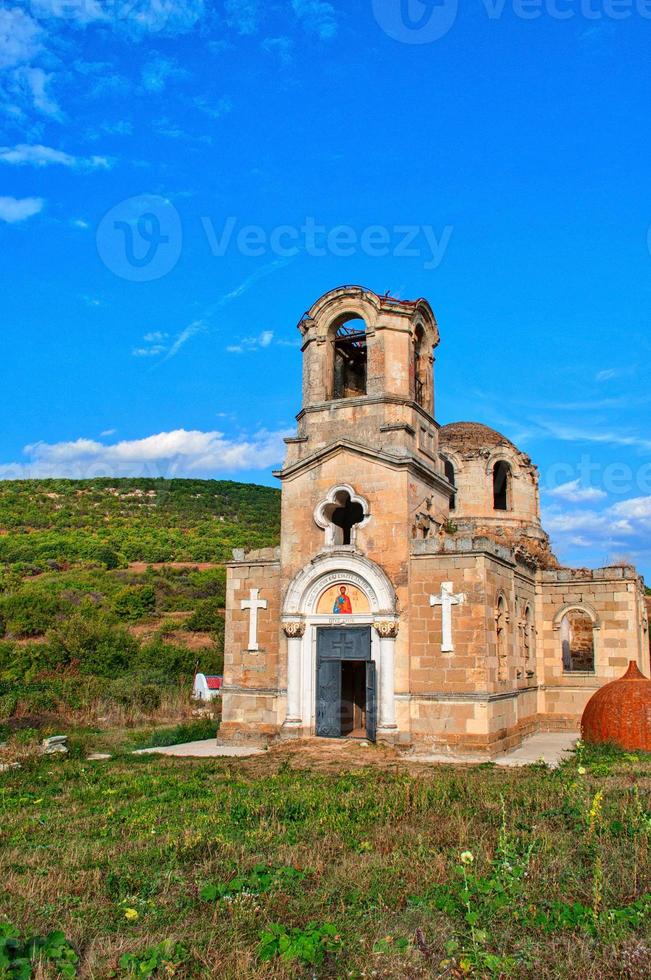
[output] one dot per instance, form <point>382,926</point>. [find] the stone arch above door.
<point>314,579</point>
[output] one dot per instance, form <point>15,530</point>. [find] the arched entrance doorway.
<point>339,617</point>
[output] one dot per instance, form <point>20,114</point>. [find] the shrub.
<point>135,602</point>
<point>131,693</point>
<point>207,617</point>
<point>8,704</point>
<point>169,658</point>
<point>98,645</point>
<point>29,612</point>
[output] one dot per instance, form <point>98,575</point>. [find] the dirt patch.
<point>44,719</point>
<point>144,631</point>
<point>332,755</point>
<point>139,567</point>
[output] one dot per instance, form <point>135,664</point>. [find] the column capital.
<point>294,630</point>
<point>387,629</point>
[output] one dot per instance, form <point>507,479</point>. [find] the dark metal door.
<point>328,698</point>
<point>344,643</point>
<point>371,701</point>
<point>334,645</point>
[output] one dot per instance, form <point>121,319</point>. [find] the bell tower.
<point>366,451</point>
<point>369,357</point>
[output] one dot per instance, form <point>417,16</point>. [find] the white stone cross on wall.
<point>253,604</point>
<point>446,600</point>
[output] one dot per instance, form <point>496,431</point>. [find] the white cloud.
<point>156,73</point>
<point>243,15</point>
<point>624,527</point>
<point>247,344</point>
<point>146,16</point>
<point>35,82</point>
<point>198,326</point>
<point>570,433</point>
<point>19,37</point>
<point>317,16</point>
<point>37,155</point>
<point>606,375</point>
<point>170,454</point>
<point>155,342</point>
<point>215,110</point>
<point>588,521</point>
<point>636,507</point>
<point>575,493</point>
<point>281,47</point>
<point>13,209</point>
<point>80,223</point>
<point>154,351</point>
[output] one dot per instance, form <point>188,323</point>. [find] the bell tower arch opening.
<point>349,357</point>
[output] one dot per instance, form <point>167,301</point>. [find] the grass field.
<point>326,864</point>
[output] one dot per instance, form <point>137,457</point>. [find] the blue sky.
<point>180,180</point>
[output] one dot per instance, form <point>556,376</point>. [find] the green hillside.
<point>83,632</point>
<point>117,521</point>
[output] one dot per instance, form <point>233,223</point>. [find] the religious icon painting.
<point>342,600</point>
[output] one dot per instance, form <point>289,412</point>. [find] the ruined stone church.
<point>414,597</point>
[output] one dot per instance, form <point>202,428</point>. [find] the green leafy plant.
<point>164,958</point>
<point>19,954</point>
<point>308,945</point>
<point>259,880</point>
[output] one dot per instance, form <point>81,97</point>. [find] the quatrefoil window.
<point>340,515</point>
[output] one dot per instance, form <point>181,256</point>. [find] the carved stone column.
<point>294,632</point>
<point>387,631</point>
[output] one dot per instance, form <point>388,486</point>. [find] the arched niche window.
<point>349,358</point>
<point>451,477</point>
<point>420,368</point>
<point>577,641</point>
<point>501,486</point>
<point>340,514</point>
<point>528,635</point>
<point>501,627</point>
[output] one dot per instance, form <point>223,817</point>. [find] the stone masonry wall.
<point>253,700</point>
<point>613,595</point>
<point>457,699</point>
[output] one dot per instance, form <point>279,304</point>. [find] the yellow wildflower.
<point>131,915</point>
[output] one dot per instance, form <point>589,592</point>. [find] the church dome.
<point>496,483</point>
<point>620,712</point>
<point>463,437</point>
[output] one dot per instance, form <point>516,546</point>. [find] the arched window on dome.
<point>577,641</point>
<point>349,358</point>
<point>501,486</point>
<point>451,477</point>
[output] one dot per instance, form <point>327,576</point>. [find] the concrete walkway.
<point>206,749</point>
<point>548,747</point>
